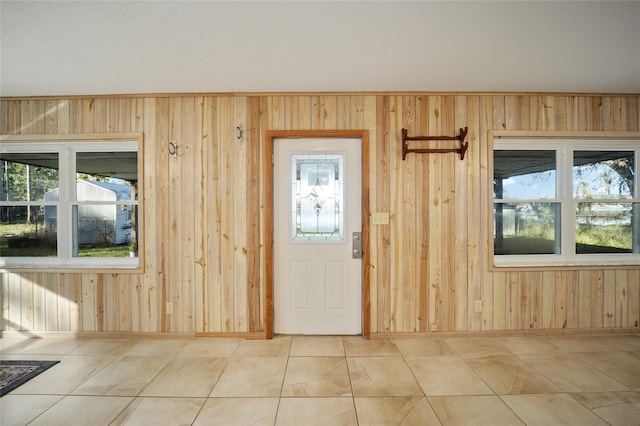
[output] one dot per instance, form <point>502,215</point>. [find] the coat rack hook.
<point>173,149</point>
<point>239,135</point>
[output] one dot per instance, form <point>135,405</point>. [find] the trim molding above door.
<point>270,136</point>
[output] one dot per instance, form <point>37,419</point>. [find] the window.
<point>565,202</point>
<point>69,203</point>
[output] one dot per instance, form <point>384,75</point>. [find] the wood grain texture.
<point>204,247</point>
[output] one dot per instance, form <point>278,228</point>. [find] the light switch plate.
<point>380,218</point>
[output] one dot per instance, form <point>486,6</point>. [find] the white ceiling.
<point>108,47</point>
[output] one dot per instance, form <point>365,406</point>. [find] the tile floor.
<point>305,380</point>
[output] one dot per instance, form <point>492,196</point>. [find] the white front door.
<point>317,208</point>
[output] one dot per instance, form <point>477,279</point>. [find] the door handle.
<point>356,248</point>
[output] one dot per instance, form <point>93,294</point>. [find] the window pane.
<point>28,231</point>
<point>603,174</point>
<point>105,230</point>
<point>524,175</point>
<point>604,228</point>
<point>101,230</point>
<point>28,176</point>
<point>526,228</point>
<point>317,197</point>
<point>117,167</point>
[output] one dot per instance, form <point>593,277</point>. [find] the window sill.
<point>124,265</point>
<point>595,261</point>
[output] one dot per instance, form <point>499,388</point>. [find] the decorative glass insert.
<point>317,197</point>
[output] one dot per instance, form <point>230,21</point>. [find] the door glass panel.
<point>317,197</point>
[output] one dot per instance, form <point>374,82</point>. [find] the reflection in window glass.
<point>34,237</point>
<point>524,175</point>
<point>526,228</point>
<point>105,228</point>
<point>28,176</point>
<point>604,228</point>
<point>101,230</point>
<point>317,197</point>
<point>603,174</point>
<point>27,179</point>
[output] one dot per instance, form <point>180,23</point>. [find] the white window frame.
<point>67,146</point>
<point>564,147</point>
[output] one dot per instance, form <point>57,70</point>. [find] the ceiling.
<point>105,47</point>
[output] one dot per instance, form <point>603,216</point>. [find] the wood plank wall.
<point>204,216</point>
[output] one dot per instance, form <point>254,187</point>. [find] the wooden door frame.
<point>270,137</point>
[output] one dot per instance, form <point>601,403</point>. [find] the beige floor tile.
<point>616,408</point>
<point>111,347</point>
<point>480,346</point>
<point>357,346</point>
<point>187,377</point>
<point>622,366</point>
<point>473,410</point>
<point>24,357</point>
<point>551,409</point>
<point>126,376</point>
<point>317,346</point>
<point>278,346</point>
<point>251,377</point>
<point>21,409</point>
<point>596,343</point>
<point>571,374</point>
<point>66,376</point>
<point>157,347</point>
<point>160,411</point>
<point>402,411</point>
<point>508,374</point>
<point>423,347</point>
<point>238,412</point>
<point>446,375</point>
<point>83,410</point>
<point>316,376</point>
<point>210,347</point>
<point>11,344</point>
<point>47,346</point>
<point>382,376</point>
<point>528,345</point>
<point>316,411</point>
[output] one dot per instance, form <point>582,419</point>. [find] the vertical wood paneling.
<point>370,115</point>
<point>202,218</point>
<point>383,243</point>
<point>151,249</point>
<point>422,217</point>
<point>474,259</point>
<point>437,289</point>
<point>239,198</point>
<point>203,247</point>
<point>396,237</point>
<point>479,215</point>
<point>409,223</point>
<point>212,238</point>
<point>253,248</point>
<point>633,304</point>
<point>161,182</point>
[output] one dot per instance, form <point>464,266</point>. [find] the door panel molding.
<point>270,136</point>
